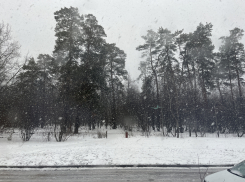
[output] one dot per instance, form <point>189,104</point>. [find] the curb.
<point>121,166</point>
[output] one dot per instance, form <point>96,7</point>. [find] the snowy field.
<point>87,149</point>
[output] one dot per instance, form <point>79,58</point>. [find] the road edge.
<point>122,166</point>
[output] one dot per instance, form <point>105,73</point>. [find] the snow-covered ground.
<point>86,148</point>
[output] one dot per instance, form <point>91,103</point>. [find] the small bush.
<point>10,136</point>
<point>26,134</point>
<point>101,134</point>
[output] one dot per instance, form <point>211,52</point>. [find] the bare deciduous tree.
<point>9,52</point>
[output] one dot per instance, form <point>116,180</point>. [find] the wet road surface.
<point>105,175</point>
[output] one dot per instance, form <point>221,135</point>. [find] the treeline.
<point>187,86</point>
<point>80,84</point>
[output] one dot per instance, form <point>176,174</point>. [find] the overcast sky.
<point>125,21</point>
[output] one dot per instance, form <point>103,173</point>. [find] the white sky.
<point>124,21</point>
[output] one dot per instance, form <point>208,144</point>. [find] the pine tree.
<point>115,72</point>
<point>201,54</point>
<point>232,59</point>
<point>152,52</point>
<point>171,73</point>
<point>48,76</point>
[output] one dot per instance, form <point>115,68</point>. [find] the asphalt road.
<point>105,175</point>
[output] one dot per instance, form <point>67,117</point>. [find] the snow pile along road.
<point>116,149</point>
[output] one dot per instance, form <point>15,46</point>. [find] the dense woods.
<point>187,86</point>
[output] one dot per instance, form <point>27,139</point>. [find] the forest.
<point>187,84</point>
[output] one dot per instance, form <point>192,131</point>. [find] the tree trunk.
<point>231,89</point>
<point>238,82</point>
<point>221,97</point>
<point>216,119</point>
<point>189,130</point>
<point>156,81</point>
<point>77,123</point>
<point>113,106</point>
